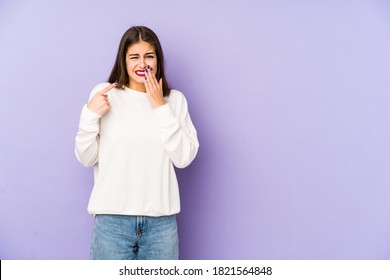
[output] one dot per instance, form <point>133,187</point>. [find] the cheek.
<point>128,65</point>
<point>129,68</point>
<point>152,63</point>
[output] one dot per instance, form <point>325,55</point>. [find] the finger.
<point>160,83</point>
<point>151,81</point>
<point>106,89</point>
<point>148,84</point>
<point>147,87</point>
<point>153,84</point>
<point>147,75</point>
<point>153,76</point>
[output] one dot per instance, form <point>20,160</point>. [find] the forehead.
<point>140,47</point>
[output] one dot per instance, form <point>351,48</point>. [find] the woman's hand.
<point>99,103</point>
<point>153,88</point>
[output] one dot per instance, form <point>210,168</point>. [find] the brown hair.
<point>132,36</point>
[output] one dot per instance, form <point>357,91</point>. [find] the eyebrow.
<point>136,54</point>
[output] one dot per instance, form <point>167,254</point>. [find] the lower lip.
<point>140,74</point>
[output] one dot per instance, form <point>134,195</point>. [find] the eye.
<point>150,56</point>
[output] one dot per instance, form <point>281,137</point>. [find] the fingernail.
<point>116,83</point>
<point>148,66</point>
<point>146,78</point>
<point>151,69</point>
<point>146,70</point>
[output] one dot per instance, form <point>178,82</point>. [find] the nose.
<point>142,63</point>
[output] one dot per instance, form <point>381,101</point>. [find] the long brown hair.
<point>132,36</point>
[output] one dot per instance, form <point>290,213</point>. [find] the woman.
<point>133,130</point>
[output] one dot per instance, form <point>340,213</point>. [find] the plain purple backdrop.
<point>290,99</point>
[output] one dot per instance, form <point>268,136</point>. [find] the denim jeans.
<point>120,237</point>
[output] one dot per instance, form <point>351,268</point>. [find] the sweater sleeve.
<point>87,138</point>
<point>177,132</point>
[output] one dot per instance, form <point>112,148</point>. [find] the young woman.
<point>134,130</point>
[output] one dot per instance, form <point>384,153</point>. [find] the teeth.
<point>140,73</point>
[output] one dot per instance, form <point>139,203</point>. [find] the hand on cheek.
<point>154,88</point>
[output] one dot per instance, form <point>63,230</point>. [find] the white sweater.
<point>133,148</point>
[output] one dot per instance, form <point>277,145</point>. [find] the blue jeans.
<point>120,237</point>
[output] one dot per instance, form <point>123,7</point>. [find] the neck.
<point>137,87</point>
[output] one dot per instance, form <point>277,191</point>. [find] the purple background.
<point>290,99</point>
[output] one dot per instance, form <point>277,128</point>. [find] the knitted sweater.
<point>134,148</point>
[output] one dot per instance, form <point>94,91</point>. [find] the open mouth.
<point>140,73</point>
